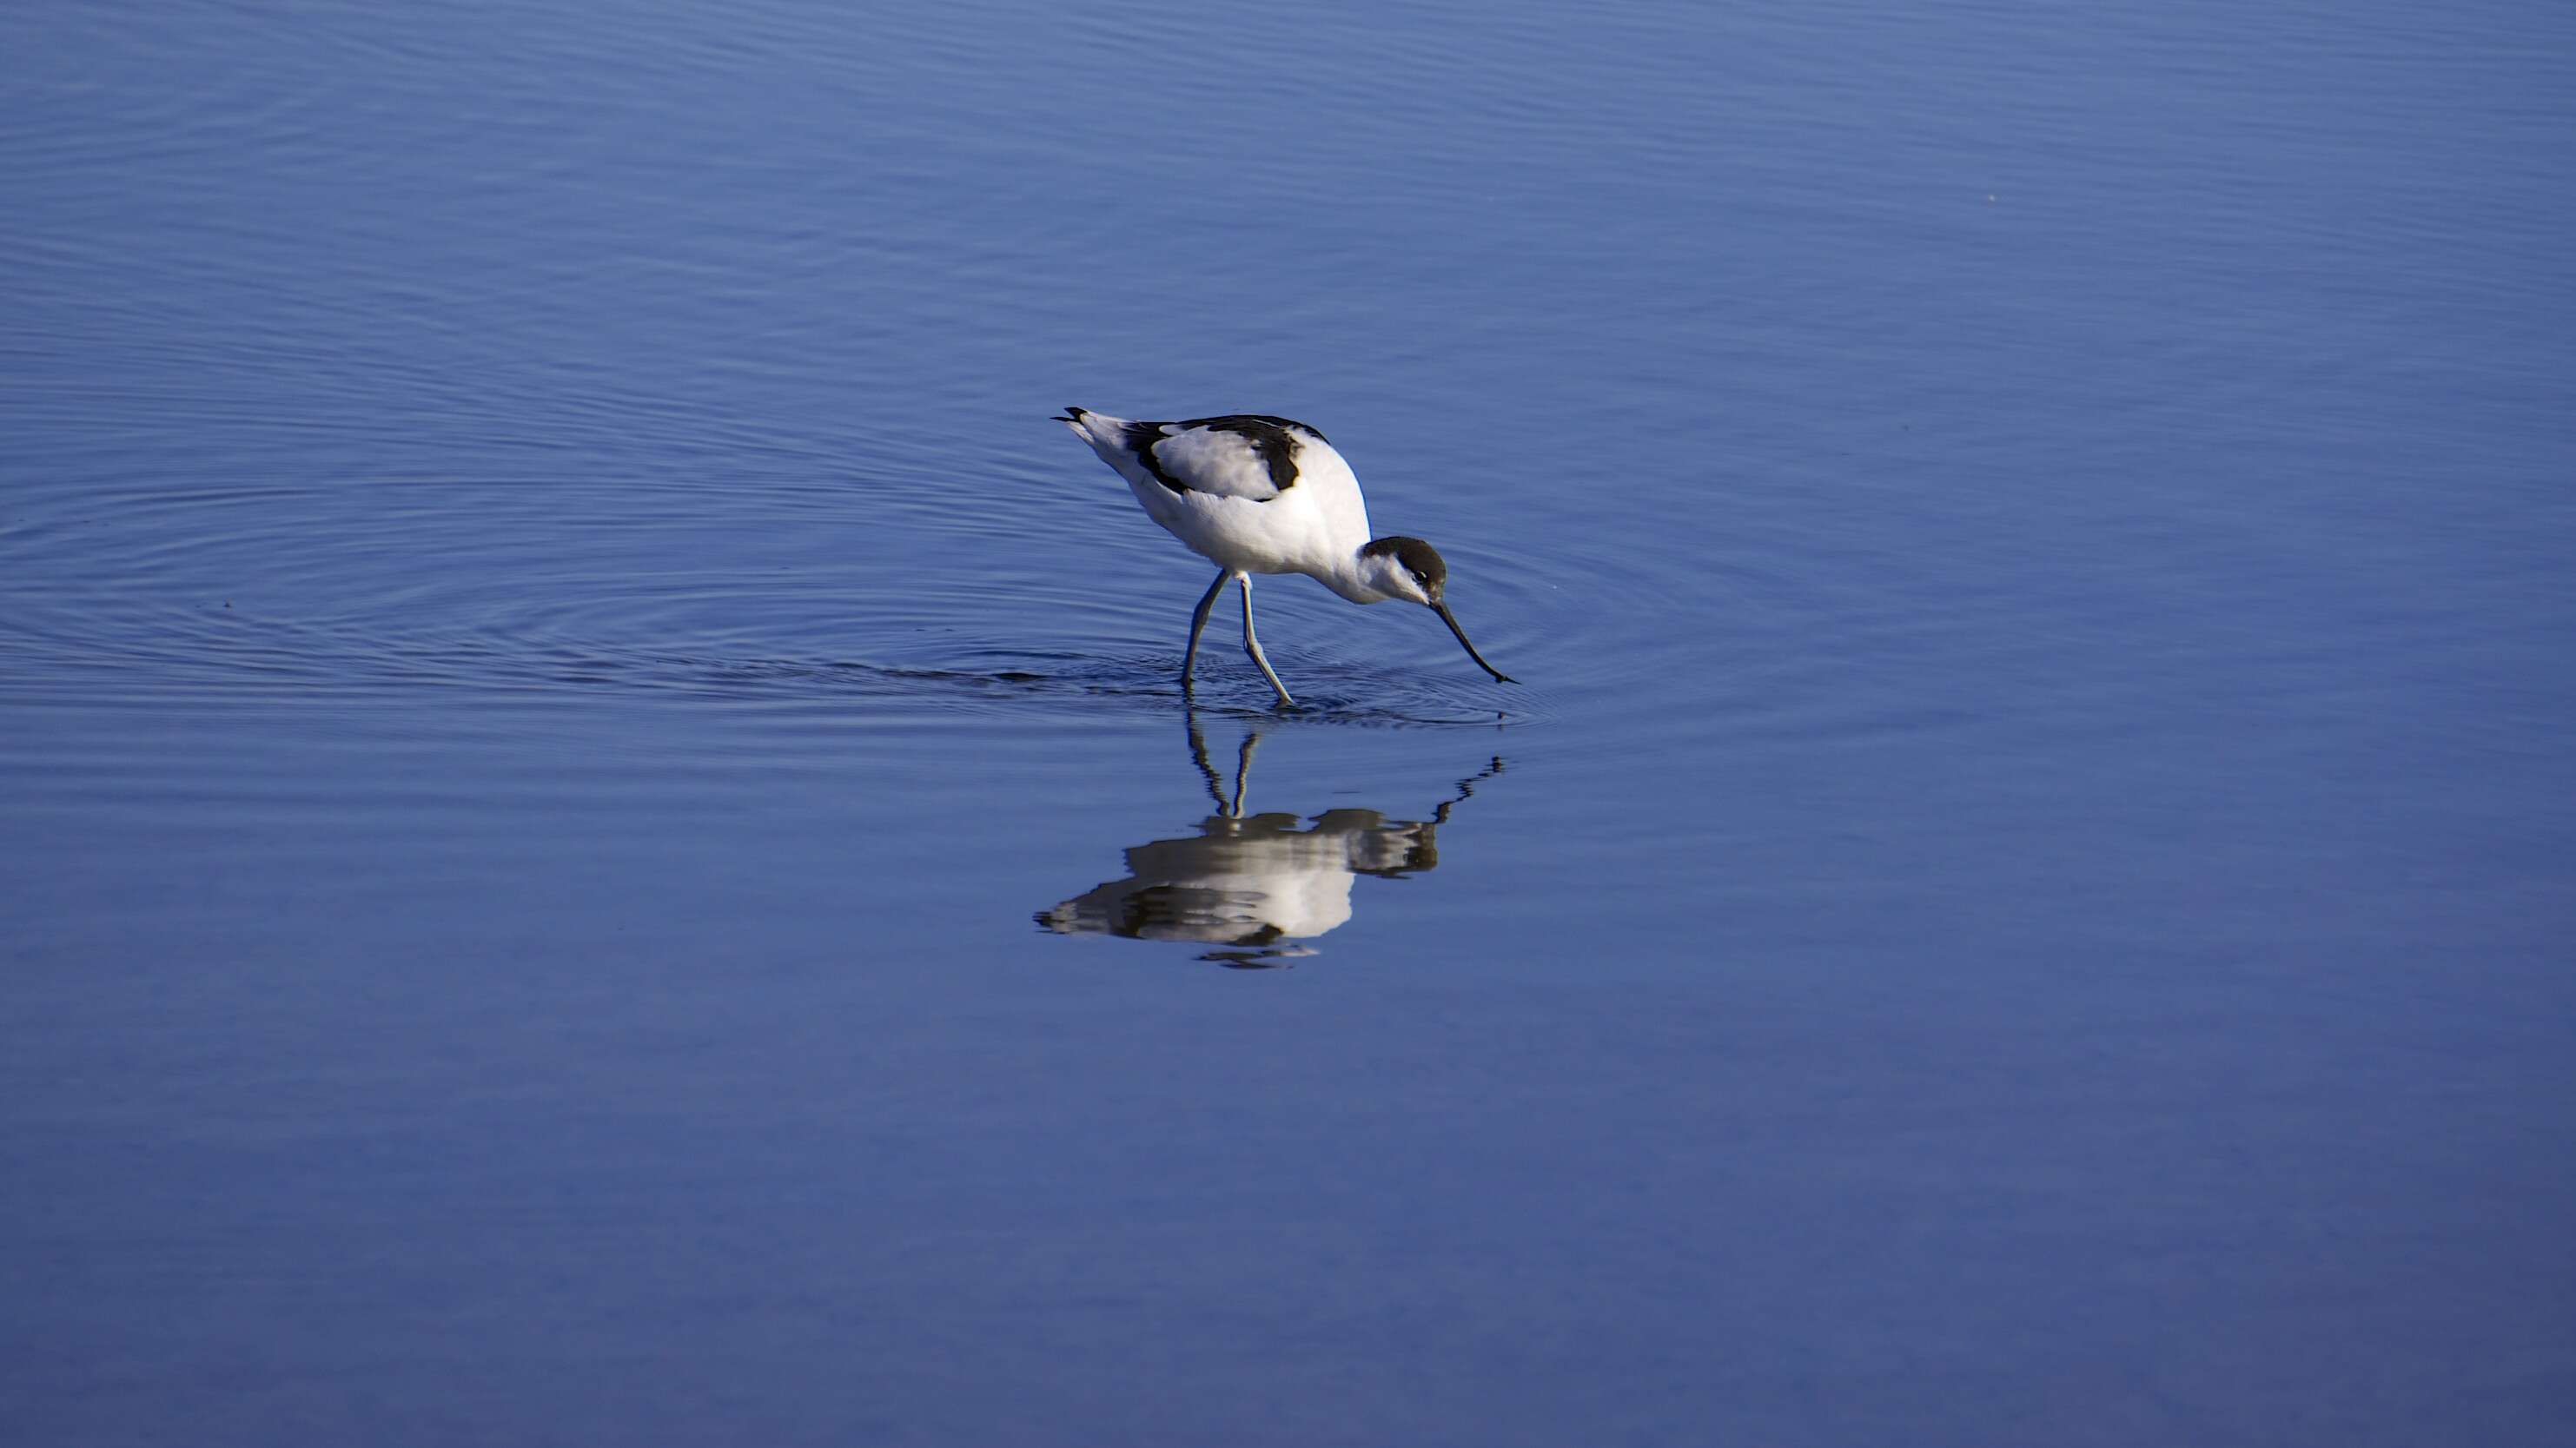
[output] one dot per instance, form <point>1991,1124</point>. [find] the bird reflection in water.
<point>1254,885</point>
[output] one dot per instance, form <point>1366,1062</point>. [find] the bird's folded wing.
<point>1226,457</point>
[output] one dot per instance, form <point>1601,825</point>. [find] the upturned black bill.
<point>1452,620</point>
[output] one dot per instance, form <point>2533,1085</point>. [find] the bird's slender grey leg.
<point>1252,645</point>
<point>1198,621</point>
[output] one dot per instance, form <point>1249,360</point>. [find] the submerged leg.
<point>1198,621</point>
<point>1252,645</point>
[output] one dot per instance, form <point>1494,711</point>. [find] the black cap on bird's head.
<point>1418,559</point>
<point>1421,563</point>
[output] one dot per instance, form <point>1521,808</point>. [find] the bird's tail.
<point>1096,428</point>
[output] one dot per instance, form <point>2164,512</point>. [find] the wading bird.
<point>1252,493</point>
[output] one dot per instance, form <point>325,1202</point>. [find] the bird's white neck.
<point>1365,577</point>
<point>1350,579</point>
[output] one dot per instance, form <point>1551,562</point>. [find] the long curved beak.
<point>1451,619</point>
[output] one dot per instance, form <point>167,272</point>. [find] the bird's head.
<point>1412,570</point>
<point>1404,568</point>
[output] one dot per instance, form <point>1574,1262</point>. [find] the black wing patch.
<point>1232,420</point>
<point>1141,437</point>
<point>1273,440</point>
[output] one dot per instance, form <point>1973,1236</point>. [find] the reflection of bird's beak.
<point>1451,619</point>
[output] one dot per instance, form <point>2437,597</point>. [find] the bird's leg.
<point>1198,621</point>
<point>1252,645</point>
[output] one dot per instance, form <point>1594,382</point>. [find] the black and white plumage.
<point>1243,455</point>
<point>1253,493</point>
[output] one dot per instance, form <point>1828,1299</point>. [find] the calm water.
<point>598,844</point>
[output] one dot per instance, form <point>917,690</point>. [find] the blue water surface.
<point>599,841</point>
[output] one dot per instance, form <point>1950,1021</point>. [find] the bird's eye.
<point>1418,575</point>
